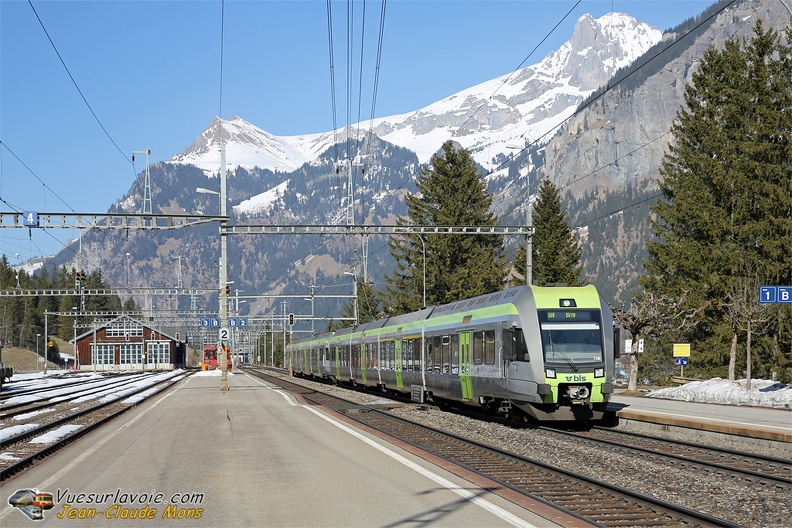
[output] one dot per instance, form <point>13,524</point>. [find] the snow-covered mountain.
<point>520,107</point>
<point>246,146</point>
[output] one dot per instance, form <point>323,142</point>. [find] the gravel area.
<point>737,500</point>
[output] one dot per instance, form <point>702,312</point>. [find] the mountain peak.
<point>246,146</point>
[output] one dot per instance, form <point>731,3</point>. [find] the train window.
<point>355,356</point>
<point>392,355</point>
<point>514,347</point>
<point>572,342</point>
<point>415,361</point>
<point>428,357</point>
<point>489,347</point>
<point>446,355</point>
<point>478,348</point>
<point>455,354</point>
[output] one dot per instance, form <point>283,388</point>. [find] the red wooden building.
<point>127,344</point>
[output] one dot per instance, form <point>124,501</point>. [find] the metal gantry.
<point>98,292</point>
<point>393,229</point>
<point>102,220</point>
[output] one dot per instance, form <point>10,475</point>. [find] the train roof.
<point>506,296</point>
<point>420,315</point>
<point>542,297</point>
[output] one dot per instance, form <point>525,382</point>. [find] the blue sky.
<point>150,71</point>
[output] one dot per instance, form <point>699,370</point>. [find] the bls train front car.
<point>531,353</point>
<point>560,364</point>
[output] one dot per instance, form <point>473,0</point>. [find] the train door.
<point>465,366</point>
<point>399,380</point>
<point>515,357</point>
<point>364,355</point>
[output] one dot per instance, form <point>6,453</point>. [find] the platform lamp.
<point>44,368</point>
<point>529,237</point>
<point>223,265</point>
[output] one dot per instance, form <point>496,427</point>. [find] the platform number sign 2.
<point>223,334</point>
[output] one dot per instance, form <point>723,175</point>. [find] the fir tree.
<point>555,249</point>
<point>726,198</point>
<point>452,193</point>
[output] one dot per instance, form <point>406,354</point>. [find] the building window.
<point>103,354</point>
<point>131,354</point>
<point>125,328</point>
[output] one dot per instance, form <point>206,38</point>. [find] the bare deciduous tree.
<point>650,315</point>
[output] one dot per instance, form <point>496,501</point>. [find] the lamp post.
<point>44,368</point>
<point>178,272</point>
<point>423,247</point>
<point>128,256</point>
<point>355,293</point>
<point>529,237</point>
<point>76,355</point>
<point>312,310</point>
<point>223,268</point>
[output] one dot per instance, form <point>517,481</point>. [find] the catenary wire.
<point>75,83</point>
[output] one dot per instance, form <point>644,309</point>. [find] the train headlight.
<point>599,373</point>
<point>550,373</point>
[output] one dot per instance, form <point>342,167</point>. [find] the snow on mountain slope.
<point>517,108</point>
<point>261,203</point>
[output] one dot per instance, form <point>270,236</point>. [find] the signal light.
<point>291,319</point>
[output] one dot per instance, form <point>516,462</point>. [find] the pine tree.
<point>555,249</point>
<point>726,198</point>
<point>452,193</point>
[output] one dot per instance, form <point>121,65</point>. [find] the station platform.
<point>759,423</point>
<point>253,456</point>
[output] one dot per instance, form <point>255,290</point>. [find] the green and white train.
<point>541,353</point>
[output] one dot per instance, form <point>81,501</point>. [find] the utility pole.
<point>350,208</point>
<point>283,304</point>
<point>223,265</point>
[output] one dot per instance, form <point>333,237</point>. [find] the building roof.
<point>133,321</point>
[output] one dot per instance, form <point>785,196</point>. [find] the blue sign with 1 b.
<point>775,294</point>
<point>681,361</point>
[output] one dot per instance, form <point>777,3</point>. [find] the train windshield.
<point>571,336</point>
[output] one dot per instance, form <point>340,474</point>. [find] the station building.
<point>125,343</point>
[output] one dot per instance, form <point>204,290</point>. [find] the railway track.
<point>763,469</point>
<point>28,443</point>
<point>587,498</point>
<point>40,399</point>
